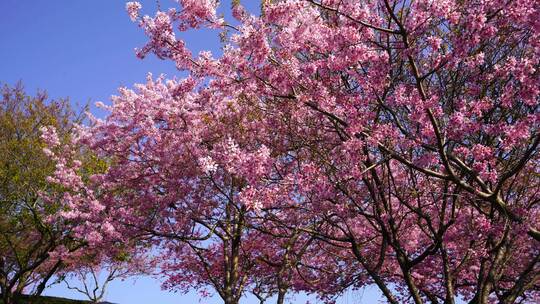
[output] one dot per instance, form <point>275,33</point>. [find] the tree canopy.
<point>27,235</point>
<point>36,242</point>
<point>332,145</point>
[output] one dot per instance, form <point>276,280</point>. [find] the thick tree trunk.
<point>281,296</point>
<point>231,300</point>
<point>48,276</point>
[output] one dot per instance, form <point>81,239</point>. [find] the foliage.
<point>30,232</point>
<point>332,145</point>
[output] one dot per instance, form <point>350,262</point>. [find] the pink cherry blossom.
<point>332,145</point>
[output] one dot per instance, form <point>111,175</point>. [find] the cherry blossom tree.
<point>332,145</point>
<point>34,238</point>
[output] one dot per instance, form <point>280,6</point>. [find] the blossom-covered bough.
<point>333,145</point>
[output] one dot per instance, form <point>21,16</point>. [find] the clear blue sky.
<point>84,50</point>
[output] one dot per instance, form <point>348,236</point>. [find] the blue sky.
<point>85,50</point>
